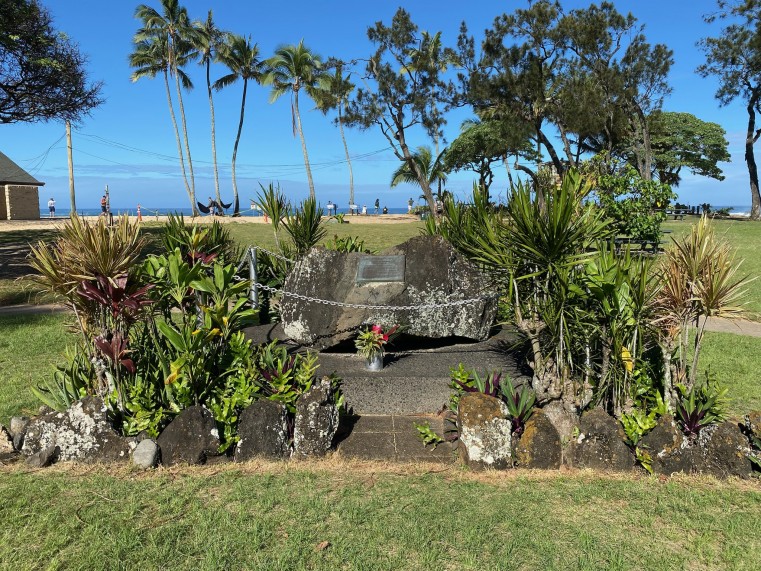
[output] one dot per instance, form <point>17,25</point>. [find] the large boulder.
<point>316,421</point>
<point>423,271</point>
<point>720,450</point>
<point>726,452</point>
<point>600,444</point>
<point>263,431</point>
<point>485,432</point>
<point>539,445</point>
<point>83,433</point>
<point>190,438</point>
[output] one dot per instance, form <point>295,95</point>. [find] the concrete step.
<point>412,381</point>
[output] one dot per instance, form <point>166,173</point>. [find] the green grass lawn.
<point>341,516</point>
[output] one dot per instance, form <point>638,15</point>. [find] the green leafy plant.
<point>70,382</point>
<point>372,340</point>
<point>347,244</point>
<point>520,404</point>
<point>340,218</point>
<point>704,405</point>
<point>427,435</point>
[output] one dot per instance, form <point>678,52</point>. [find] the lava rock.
<point>600,444</point>
<point>485,432</point>
<point>726,452</point>
<point>190,438</point>
<point>263,431</point>
<point>316,421</point>
<point>539,445</point>
<point>434,273</point>
<point>82,433</point>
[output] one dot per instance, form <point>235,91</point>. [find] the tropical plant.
<point>371,341</point>
<point>427,435</point>
<point>206,42</point>
<point>290,70</point>
<point>199,242</point>
<point>70,382</point>
<point>698,278</point>
<point>305,226</point>
<point>333,90</point>
<point>703,405</point>
<point>163,44</point>
<point>425,165</point>
<point>347,244</point>
<point>242,59</point>
<point>83,252</point>
<point>520,404</point>
<point>635,204</point>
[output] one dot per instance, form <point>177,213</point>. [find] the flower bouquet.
<point>370,344</point>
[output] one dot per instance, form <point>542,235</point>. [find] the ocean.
<point>148,212</point>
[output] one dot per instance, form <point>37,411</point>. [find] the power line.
<point>316,165</point>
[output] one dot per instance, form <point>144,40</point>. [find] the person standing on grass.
<point>409,206</point>
<point>51,207</point>
<point>377,205</point>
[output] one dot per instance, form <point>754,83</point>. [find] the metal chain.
<point>273,254</point>
<point>378,307</point>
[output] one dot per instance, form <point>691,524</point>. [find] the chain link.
<point>456,303</point>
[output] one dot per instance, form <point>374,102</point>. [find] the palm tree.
<point>242,58</point>
<point>332,93</point>
<point>432,169</point>
<point>291,69</point>
<point>151,57</point>
<point>206,42</point>
<point>173,26</point>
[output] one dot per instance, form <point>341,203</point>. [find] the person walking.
<point>409,206</point>
<point>51,207</point>
<point>377,206</point>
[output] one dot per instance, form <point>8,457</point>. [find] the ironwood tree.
<point>404,90</point>
<point>735,59</point>
<point>42,72</point>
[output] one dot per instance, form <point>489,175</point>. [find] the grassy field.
<point>334,515</point>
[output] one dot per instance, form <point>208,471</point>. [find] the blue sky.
<point>128,143</point>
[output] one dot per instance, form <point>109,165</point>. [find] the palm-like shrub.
<point>83,252</point>
<point>699,278</point>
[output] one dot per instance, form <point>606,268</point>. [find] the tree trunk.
<point>236,207</point>
<point>191,195</point>
<point>303,142</point>
<point>750,159</point>
<point>348,159</point>
<point>213,134</point>
<point>72,195</point>
<point>187,144</point>
<point>647,151</point>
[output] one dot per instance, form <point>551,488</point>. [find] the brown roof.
<point>11,173</point>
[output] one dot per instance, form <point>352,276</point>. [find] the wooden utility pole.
<point>72,196</point>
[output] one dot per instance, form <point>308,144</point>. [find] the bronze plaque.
<point>380,269</point>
